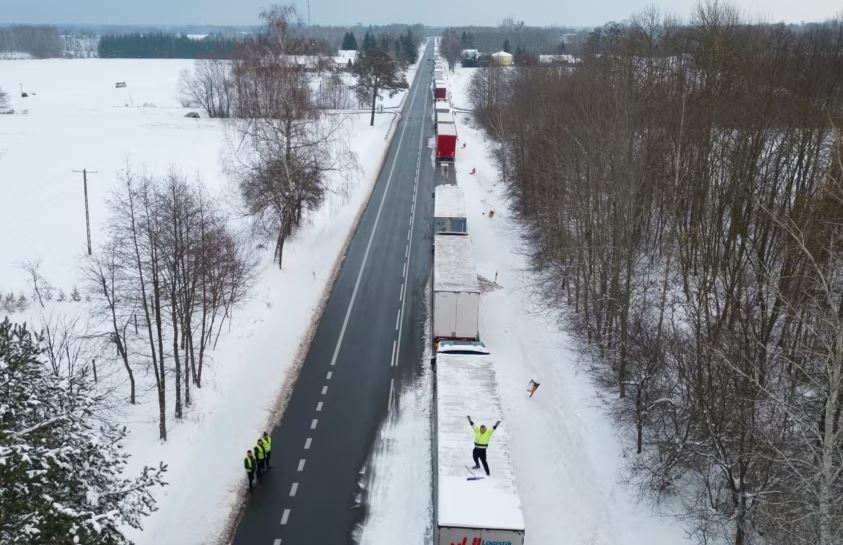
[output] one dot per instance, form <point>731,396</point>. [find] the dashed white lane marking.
<point>406,251</point>
<point>307,443</point>
<point>301,465</point>
<point>324,390</point>
<point>392,362</point>
<point>294,489</point>
<point>409,243</point>
<point>319,407</point>
<point>401,294</point>
<point>329,375</point>
<point>277,541</point>
<point>285,516</point>
<point>391,388</point>
<point>372,234</point>
<point>314,423</point>
<point>397,319</point>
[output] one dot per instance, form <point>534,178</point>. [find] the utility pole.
<point>85,173</point>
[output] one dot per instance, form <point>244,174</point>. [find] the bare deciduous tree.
<point>210,86</point>
<point>291,148</point>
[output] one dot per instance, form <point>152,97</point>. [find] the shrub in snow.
<point>61,468</point>
<point>10,303</point>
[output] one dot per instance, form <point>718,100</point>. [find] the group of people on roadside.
<point>257,461</point>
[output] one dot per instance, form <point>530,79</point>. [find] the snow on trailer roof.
<point>445,118</point>
<point>453,264</point>
<point>466,385</point>
<point>440,83</point>
<point>446,129</point>
<point>448,202</point>
<point>442,105</point>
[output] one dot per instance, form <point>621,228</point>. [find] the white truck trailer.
<point>471,510</point>
<point>449,211</point>
<point>456,292</point>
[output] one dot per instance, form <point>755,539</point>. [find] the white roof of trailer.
<point>453,264</point>
<point>466,385</point>
<point>442,105</point>
<point>445,118</point>
<point>448,202</point>
<point>440,83</point>
<point>446,129</point>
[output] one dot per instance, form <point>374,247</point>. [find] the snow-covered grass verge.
<point>76,119</point>
<point>396,481</point>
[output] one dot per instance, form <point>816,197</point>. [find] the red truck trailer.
<point>446,141</point>
<point>440,90</point>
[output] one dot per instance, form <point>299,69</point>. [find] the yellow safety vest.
<point>266,443</point>
<point>482,439</point>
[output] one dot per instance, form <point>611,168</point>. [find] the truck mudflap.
<point>476,536</point>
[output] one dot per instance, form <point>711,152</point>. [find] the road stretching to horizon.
<point>369,341</point>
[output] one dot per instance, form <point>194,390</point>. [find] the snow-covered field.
<point>76,119</point>
<point>568,456</point>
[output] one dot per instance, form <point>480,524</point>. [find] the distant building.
<point>502,58</point>
<point>345,58</point>
<point>558,59</point>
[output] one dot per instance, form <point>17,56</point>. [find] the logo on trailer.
<point>480,541</point>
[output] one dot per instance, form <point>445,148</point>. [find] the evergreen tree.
<point>506,46</point>
<point>377,71</point>
<point>464,40</point>
<point>349,41</point>
<point>61,469</point>
<point>369,41</point>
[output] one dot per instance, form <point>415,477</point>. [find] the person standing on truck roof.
<point>482,436</point>
<point>266,442</point>
<point>250,464</point>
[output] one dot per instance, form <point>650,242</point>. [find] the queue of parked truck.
<point>470,507</point>
<point>446,129</point>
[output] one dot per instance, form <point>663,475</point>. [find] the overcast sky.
<point>348,12</point>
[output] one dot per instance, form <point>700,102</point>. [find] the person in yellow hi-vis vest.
<point>266,442</point>
<point>249,463</point>
<point>482,436</point>
<point>260,457</point>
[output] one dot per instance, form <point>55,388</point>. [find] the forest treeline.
<point>160,45</point>
<point>39,41</point>
<point>682,191</point>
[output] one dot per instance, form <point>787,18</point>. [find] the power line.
<point>85,173</point>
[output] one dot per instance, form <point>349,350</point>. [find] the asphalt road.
<point>369,341</point>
